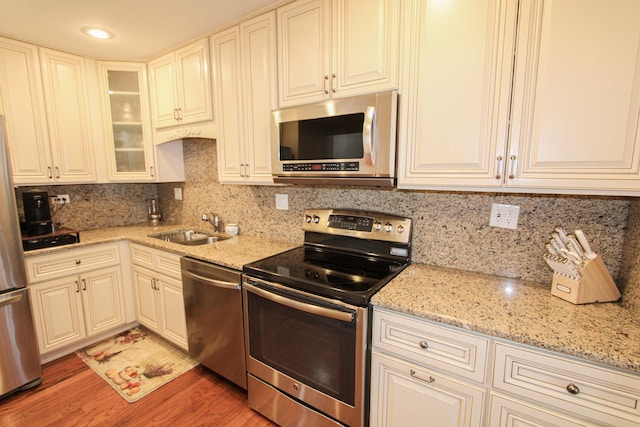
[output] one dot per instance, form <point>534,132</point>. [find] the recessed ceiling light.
<point>98,33</point>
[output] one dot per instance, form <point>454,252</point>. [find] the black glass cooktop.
<point>351,278</point>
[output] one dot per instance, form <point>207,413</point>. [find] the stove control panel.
<point>361,224</point>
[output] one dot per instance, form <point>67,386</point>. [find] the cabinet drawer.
<point>141,255</point>
<point>432,345</point>
<point>507,412</point>
<point>601,394</point>
<point>168,264</point>
<point>71,261</point>
<point>158,261</point>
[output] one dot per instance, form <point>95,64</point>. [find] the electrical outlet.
<point>282,202</point>
<point>504,216</point>
<point>62,199</point>
<point>177,193</point>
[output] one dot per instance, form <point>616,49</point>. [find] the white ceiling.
<point>143,28</point>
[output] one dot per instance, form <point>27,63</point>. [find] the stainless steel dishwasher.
<point>213,306</point>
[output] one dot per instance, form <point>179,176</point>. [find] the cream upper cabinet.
<point>22,104</point>
<point>576,102</point>
<point>68,114</point>
<point>244,74</point>
<point>337,48</point>
<point>455,94</point>
<point>45,99</point>
<point>562,118</point>
<point>180,86</point>
<point>123,89</point>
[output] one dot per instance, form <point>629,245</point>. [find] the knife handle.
<point>585,244</point>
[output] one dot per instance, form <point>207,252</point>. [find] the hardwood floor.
<point>71,394</point>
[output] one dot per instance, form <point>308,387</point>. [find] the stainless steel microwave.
<point>347,141</point>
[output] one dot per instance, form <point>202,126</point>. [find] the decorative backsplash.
<point>450,229</point>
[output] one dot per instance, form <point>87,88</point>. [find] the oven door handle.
<point>212,282</point>
<point>302,306</point>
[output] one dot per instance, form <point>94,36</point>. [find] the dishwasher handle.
<point>212,282</point>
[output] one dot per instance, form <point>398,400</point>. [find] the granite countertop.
<point>233,253</point>
<point>516,310</point>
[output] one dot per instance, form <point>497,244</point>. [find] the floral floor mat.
<point>135,362</point>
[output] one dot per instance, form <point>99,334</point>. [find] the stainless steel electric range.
<point>307,314</point>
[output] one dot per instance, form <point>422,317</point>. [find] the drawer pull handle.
<point>414,375</point>
<point>424,345</point>
<point>78,262</point>
<point>573,389</point>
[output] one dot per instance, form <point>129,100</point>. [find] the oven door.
<point>309,348</point>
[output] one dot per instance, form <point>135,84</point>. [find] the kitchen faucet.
<point>212,219</point>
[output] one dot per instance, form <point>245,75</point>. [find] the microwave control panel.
<point>321,167</point>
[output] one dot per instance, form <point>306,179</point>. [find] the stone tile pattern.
<point>629,276</point>
<point>450,229</point>
<point>99,205</point>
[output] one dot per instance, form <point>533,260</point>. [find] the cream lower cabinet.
<point>550,105</point>
<point>427,374</point>
<point>157,286</point>
<point>244,75</point>
<point>423,374</point>
<point>76,294</point>
<point>573,389</point>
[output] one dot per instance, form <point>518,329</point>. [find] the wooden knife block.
<point>596,285</point>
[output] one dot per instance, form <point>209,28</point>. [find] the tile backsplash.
<point>450,229</point>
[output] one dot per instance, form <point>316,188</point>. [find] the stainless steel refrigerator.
<point>19,357</point>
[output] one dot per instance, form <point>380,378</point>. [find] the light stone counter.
<point>516,310</point>
<point>233,253</point>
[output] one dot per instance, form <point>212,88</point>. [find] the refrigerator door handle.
<point>4,301</point>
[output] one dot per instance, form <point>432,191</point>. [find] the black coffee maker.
<point>37,215</point>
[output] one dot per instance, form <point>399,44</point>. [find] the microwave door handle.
<point>367,136</point>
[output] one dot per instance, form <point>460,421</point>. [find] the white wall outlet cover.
<point>282,202</point>
<point>177,193</point>
<point>504,216</point>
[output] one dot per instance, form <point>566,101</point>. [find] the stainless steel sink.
<point>189,237</point>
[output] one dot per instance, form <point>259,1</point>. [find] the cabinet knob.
<point>78,262</point>
<point>573,389</point>
<point>424,345</point>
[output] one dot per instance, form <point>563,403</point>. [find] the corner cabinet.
<point>157,286</point>
<point>180,90</point>
<point>244,75</point>
<point>123,89</point>
<point>76,294</point>
<point>559,116</point>
<point>337,48</point>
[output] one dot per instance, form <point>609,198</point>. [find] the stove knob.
<point>316,219</point>
<point>307,218</point>
<point>377,226</point>
<point>400,229</point>
<point>388,227</point>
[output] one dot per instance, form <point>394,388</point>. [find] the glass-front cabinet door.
<point>128,125</point>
